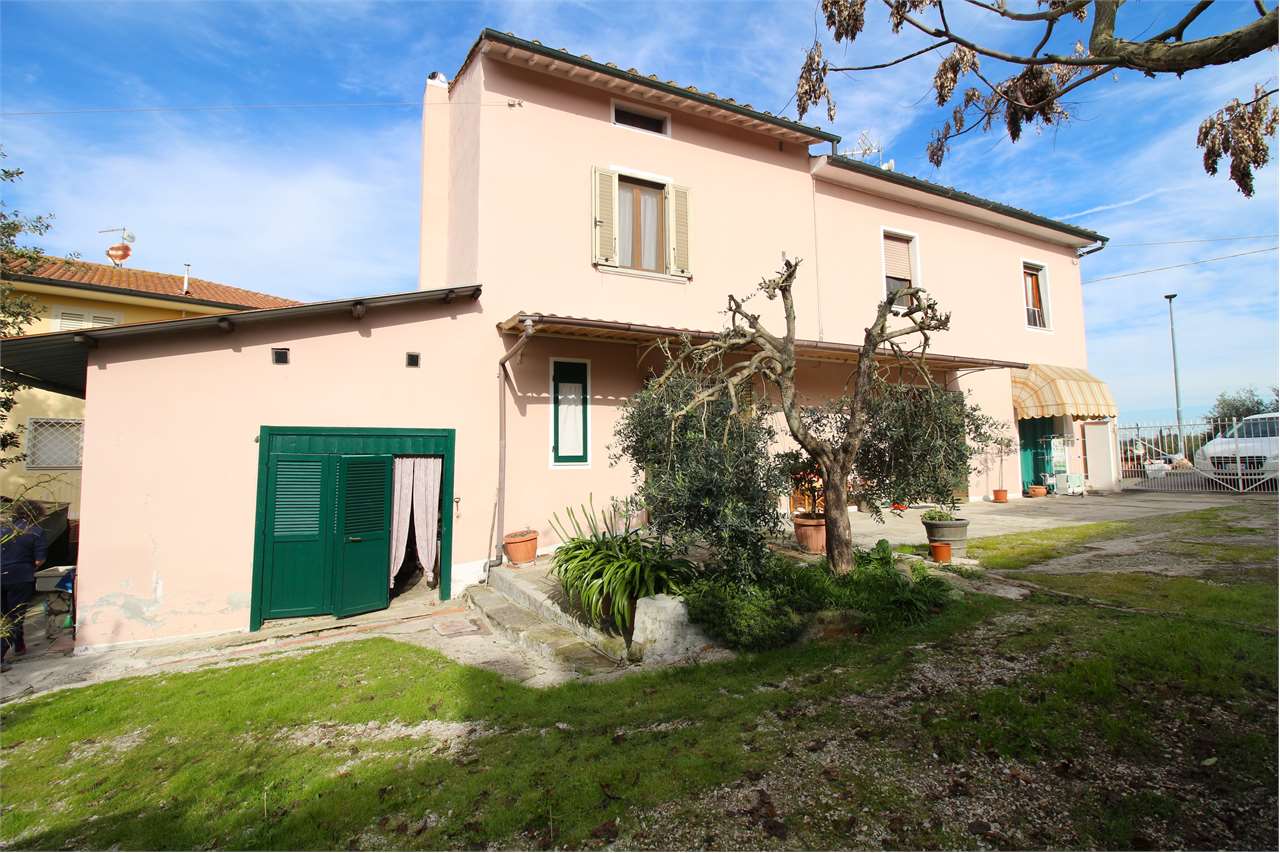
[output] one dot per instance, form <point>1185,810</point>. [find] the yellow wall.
<point>63,484</point>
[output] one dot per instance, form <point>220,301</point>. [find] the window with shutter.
<point>642,236</point>
<point>569,417</point>
<point>898,266</point>
<point>604,217</point>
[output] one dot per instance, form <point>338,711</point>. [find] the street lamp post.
<point>1177,388</point>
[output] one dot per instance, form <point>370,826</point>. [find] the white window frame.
<point>31,465</point>
<point>914,248</point>
<point>639,109</point>
<point>551,413</point>
<point>1046,293</point>
<point>56,312</point>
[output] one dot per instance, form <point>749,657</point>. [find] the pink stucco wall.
<point>166,548</point>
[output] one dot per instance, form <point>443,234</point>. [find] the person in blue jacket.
<point>22,550</point>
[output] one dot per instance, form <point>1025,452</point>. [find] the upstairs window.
<point>639,224</point>
<point>652,122</point>
<point>899,267</point>
<point>1033,290</point>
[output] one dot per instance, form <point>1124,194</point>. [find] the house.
<point>75,296</point>
<point>572,214</point>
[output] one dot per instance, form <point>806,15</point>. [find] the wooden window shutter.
<point>897,257</point>
<point>678,230</point>
<point>604,217</point>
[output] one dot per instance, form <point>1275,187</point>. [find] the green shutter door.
<point>1035,457</point>
<point>298,577</point>
<point>363,548</point>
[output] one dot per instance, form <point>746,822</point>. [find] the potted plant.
<point>941,525</point>
<point>1002,446</point>
<point>521,546</point>
<point>810,522</point>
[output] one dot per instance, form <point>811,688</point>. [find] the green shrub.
<point>604,569</point>
<point>742,615</point>
<point>937,515</point>
<point>706,477</point>
<point>775,607</point>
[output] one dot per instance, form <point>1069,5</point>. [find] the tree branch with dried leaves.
<point>1032,93</point>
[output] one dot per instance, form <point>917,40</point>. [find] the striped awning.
<point>1046,390</point>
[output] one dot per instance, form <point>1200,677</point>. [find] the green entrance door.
<point>1034,450</point>
<point>364,534</point>
<point>324,518</point>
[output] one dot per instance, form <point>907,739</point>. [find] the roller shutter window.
<point>1037,316</point>
<point>897,267</point>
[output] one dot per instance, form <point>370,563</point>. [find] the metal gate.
<point>1210,455</point>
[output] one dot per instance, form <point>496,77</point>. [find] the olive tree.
<point>747,352</point>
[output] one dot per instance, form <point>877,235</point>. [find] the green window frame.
<point>564,373</point>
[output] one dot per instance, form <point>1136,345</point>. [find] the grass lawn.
<point>997,724</point>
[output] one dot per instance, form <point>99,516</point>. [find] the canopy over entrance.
<point>1048,390</point>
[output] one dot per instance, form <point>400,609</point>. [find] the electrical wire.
<point>1201,240</point>
<point>1178,266</point>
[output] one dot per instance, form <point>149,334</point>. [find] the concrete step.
<point>537,590</point>
<point>546,639</point>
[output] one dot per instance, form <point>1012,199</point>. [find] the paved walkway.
<point>418,617</point>
<point>1026,514</point>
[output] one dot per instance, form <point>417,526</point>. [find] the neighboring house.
<point>75,296</point>
<point>602,210</point>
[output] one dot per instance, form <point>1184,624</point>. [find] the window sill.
<point>654,276</point>
<point>586,464</point>
<point>1041,329</point>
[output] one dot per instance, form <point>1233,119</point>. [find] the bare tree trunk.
<point>839,531</point>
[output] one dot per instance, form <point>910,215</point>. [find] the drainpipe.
<point>499,513</point>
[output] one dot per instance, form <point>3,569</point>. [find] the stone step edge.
<point>505,582</point>
<point>525,629</point>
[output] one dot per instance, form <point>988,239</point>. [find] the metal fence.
<point>1222,455</point>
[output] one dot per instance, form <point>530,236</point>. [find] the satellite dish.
<point>128,237</point>
<point>119,253</point>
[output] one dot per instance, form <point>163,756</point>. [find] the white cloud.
<point>329,215</point>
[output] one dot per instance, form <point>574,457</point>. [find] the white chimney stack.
<point>186,280</point>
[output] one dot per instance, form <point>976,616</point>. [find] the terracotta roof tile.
<point>146,282</point>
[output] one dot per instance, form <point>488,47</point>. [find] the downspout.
<point>500,506</point>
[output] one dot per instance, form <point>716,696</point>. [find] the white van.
<point>1254,442</point>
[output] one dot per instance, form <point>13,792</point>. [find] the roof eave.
<point>800,132</point>
<point>124,291</point>
<point>873,179</point>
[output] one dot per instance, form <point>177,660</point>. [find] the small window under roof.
<point>642,121</point>
<point>280,355</point>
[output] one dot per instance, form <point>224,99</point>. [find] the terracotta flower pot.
<point>940,552</point>
<point>521,546</point>
<point>1037,491</point>
<point>1000,496</point>
<point>811,533</point>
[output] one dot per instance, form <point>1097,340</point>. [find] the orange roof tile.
<point>144,282</point>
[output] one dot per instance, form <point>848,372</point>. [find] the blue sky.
<point>321,202</point>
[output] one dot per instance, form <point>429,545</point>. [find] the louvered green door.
<point>363,545</point>
<point>298,489</point>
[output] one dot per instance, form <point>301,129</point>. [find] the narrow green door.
<point>1034,451</point>
<point>298,488</point>
<point>363,547</point>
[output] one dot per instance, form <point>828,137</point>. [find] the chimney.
<point>186,280</point>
